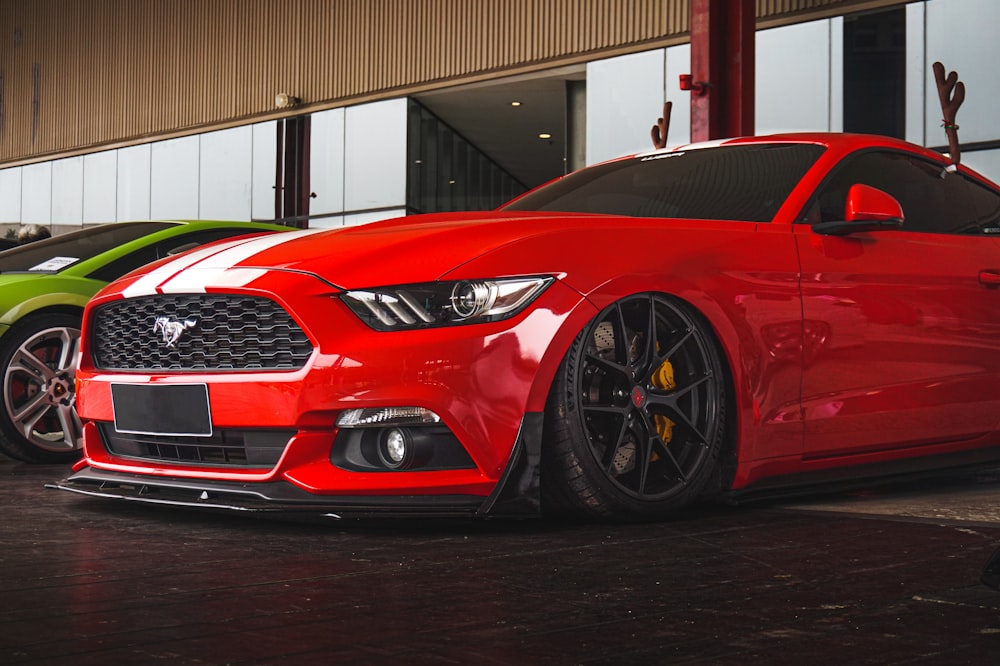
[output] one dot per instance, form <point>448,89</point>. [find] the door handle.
<point>989,278</point>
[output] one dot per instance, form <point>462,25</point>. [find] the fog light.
<point>396,449</point>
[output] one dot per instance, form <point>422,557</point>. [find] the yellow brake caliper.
<point>663,378</point>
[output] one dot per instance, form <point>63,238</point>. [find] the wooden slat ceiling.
<point>79,75</point>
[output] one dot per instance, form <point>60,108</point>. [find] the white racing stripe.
<point>198,279</point>
<point>200,268</point>
<point>209,273</point>
<point>147,284</point>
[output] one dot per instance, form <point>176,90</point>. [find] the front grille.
<point>225,448</point>
<point>217,332</point>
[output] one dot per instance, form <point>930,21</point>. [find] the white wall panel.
<point>365,218</point>
<point>625,96</point>
<point>265,146</point>
<point>174,179</point>
<point>793,78</point>
<point>36,193</point>
<point>67,191</point>
<point>10,194</point>
<point>331,222</point>
<point>375,155</point>
<point>100,183</point>
<point>226,174</point>
<point>326,162</point>
<point>916,74</point>
<point>961,34</point>
<point>133,183</point>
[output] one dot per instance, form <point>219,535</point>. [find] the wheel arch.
<point>62,303</point>
<point>728,334</point>
<point>573,322</point>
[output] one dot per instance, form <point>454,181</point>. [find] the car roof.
<point>837,143</point>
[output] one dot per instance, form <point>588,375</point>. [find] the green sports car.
<point>43,288</point>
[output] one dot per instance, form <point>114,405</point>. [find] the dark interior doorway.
<point>875,73</point>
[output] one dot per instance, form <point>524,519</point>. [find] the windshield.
<point>52,255</point>
<point>746,182</point>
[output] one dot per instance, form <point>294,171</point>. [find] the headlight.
<point>443,303</point>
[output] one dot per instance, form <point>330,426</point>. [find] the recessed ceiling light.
<point>515,103</point>
<point>544,135</point>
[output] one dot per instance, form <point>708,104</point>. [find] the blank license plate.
<point>174,409</point>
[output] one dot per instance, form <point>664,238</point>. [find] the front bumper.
<point>516,495</point>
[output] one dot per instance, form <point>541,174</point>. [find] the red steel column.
<point>722,68</point>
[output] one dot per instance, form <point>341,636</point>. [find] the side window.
<point>985,207</point>
<point>123,265</point>
<point>933,201</point>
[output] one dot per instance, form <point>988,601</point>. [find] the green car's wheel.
<point>38,420</point>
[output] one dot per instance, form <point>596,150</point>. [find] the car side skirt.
<point>838,479</point>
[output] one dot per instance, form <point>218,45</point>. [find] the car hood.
<point>412,249</point>
<point>420,248</point>
<point>416,248</point>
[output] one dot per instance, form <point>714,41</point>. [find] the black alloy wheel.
<point>637,416</point>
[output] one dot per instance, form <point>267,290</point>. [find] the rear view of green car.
<point>43,288</point>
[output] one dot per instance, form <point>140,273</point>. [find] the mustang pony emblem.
<point>172,329</point>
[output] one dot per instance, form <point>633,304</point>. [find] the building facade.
<point>336,112</point>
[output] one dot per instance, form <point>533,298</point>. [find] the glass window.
<point>985,204</point>
<point>265,149</point>
<point>446,172</point>
<point>36,193</point>
<point>10,195</point>
<point>875,72</point>
<point>100,176</point>
<point>748,182</point>
<point>375,155</point>
<point>133,182</point>
<point>933,200</point>
<point>225,174</point>
<point>174,178</point>
<point>326,163</point>
<point>53,254</point>
<point>67,191</point>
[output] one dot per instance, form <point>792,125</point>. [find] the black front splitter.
<point>273,497</point>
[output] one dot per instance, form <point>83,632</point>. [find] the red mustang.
<point>725,318</point>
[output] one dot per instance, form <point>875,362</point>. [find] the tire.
<point>38,420</point>
<point>636,418</point>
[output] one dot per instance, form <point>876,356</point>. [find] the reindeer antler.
<point>951,91</point>
<point>659,131</point>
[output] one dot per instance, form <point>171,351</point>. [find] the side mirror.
<point>866,209</point>
<point>182,248</point>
